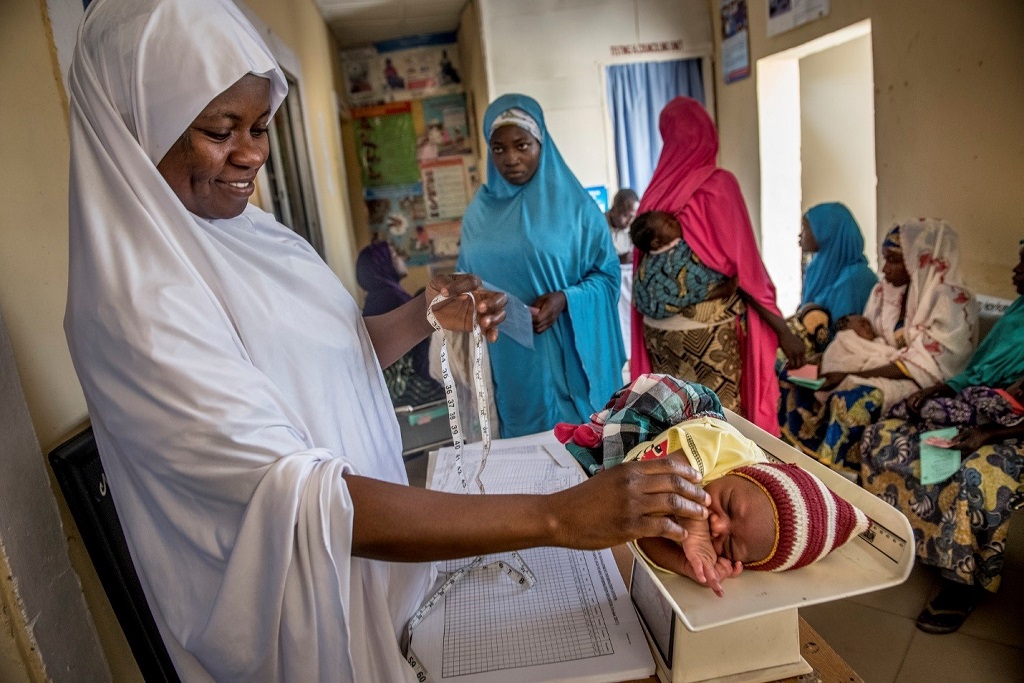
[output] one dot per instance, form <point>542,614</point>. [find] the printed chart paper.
<point>576,624</point>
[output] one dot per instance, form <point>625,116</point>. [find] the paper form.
<point>576,624</point>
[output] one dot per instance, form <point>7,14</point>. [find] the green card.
<point>808,383</point>
<point>938,464</point>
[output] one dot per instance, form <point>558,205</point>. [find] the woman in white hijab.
<point>235,392</point>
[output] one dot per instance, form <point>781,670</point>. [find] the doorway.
<point>817,144</point>
<point>289,175</point>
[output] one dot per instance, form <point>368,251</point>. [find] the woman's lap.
<point>960,525</point>
<point>831,431</point>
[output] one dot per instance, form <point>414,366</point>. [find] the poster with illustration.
<point>445,187</point>
<point>784,15</point>
<point>735,48</point>
<point>447,128</point>
<point>443,238</point>
<point>407,68</point>
<point>386,144</point>
<point>396,212</point>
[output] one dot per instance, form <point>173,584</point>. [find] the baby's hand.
<point>701,559</point>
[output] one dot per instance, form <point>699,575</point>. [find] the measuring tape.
<point>521,573</point>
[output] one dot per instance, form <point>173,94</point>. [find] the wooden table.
<point>828,666</point>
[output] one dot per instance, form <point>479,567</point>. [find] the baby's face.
<point>862,326</point>
<point>666,229</point>
<point>741,519</point>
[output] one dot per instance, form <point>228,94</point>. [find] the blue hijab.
<point>838,277</point>
<point>544,236</point>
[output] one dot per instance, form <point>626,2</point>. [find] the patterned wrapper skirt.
<point>829,431</point>
<point>960,525</point>
<point>709,355</point>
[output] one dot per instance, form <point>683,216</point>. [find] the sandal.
<point>948,610</point>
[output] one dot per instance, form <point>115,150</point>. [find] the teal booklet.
<point>937,463</point>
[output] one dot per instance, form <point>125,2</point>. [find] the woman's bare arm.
<point>633,500</point>
<point>791,345</point>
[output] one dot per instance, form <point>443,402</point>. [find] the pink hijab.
<point>708,204</point>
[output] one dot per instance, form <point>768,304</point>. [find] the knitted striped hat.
<point>811,521</point>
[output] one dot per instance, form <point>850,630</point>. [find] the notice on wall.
<point>735,57</point>
<point>397,214</point>
<point>445,187</point>
<point>447,128</point>
<point>387,144</point>
<point>402,69</point>
<point>784,15</point>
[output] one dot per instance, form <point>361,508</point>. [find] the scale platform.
<point>752,633</point>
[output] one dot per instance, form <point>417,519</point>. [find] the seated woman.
<point>960,524</point>
<point>837,280</point>
<point>923,313</point>
<point>379,268</point>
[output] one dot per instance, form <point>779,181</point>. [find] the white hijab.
<point>228,375</point>
<point>941,322</point>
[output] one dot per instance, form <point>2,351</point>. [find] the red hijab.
<point>708,204</point>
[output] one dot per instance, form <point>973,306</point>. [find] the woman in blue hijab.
<point>534,232</point>
<point>838,277</point>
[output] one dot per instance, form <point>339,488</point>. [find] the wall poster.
<point>387,144</point>
<point>784,15</point>
<point>735,55</point>
<point>403,69</point>
<point>396,214</point>
<point>445,187</point>
<point>447,128</point>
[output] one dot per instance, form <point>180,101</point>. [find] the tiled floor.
<point>875,633</point>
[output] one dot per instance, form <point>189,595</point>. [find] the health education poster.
<point>387,144</point>
<point>784,15</point>
<point>735,45</point>
<point>445,187</point>
<point>396,213</point>
<point>447,128</point>
<point>402,69</point>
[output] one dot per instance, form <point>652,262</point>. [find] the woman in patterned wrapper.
<point>727,343</point>
<point>929,322</point>
<point>961,523</point>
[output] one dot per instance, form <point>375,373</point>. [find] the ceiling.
<point>357,23</point>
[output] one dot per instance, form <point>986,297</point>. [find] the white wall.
<point>949,111</point>
<point>837,133</point>
<point>555,51</point>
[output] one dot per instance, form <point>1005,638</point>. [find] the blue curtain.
<point>636,95</point>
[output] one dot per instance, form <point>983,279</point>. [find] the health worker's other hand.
<point>548,307</point>
<point>628,501</point>
<point>456,312</point>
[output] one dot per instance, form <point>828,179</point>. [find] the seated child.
<point>669,276</point>
<point>763,515</point>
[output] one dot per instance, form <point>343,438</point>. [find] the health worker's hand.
<point>456,312</point>
<point>628,501</point>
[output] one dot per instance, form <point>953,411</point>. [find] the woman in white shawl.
<point>235,392</point>
<point>925,316</point>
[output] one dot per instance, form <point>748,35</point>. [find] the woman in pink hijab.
<point>727,343</point>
